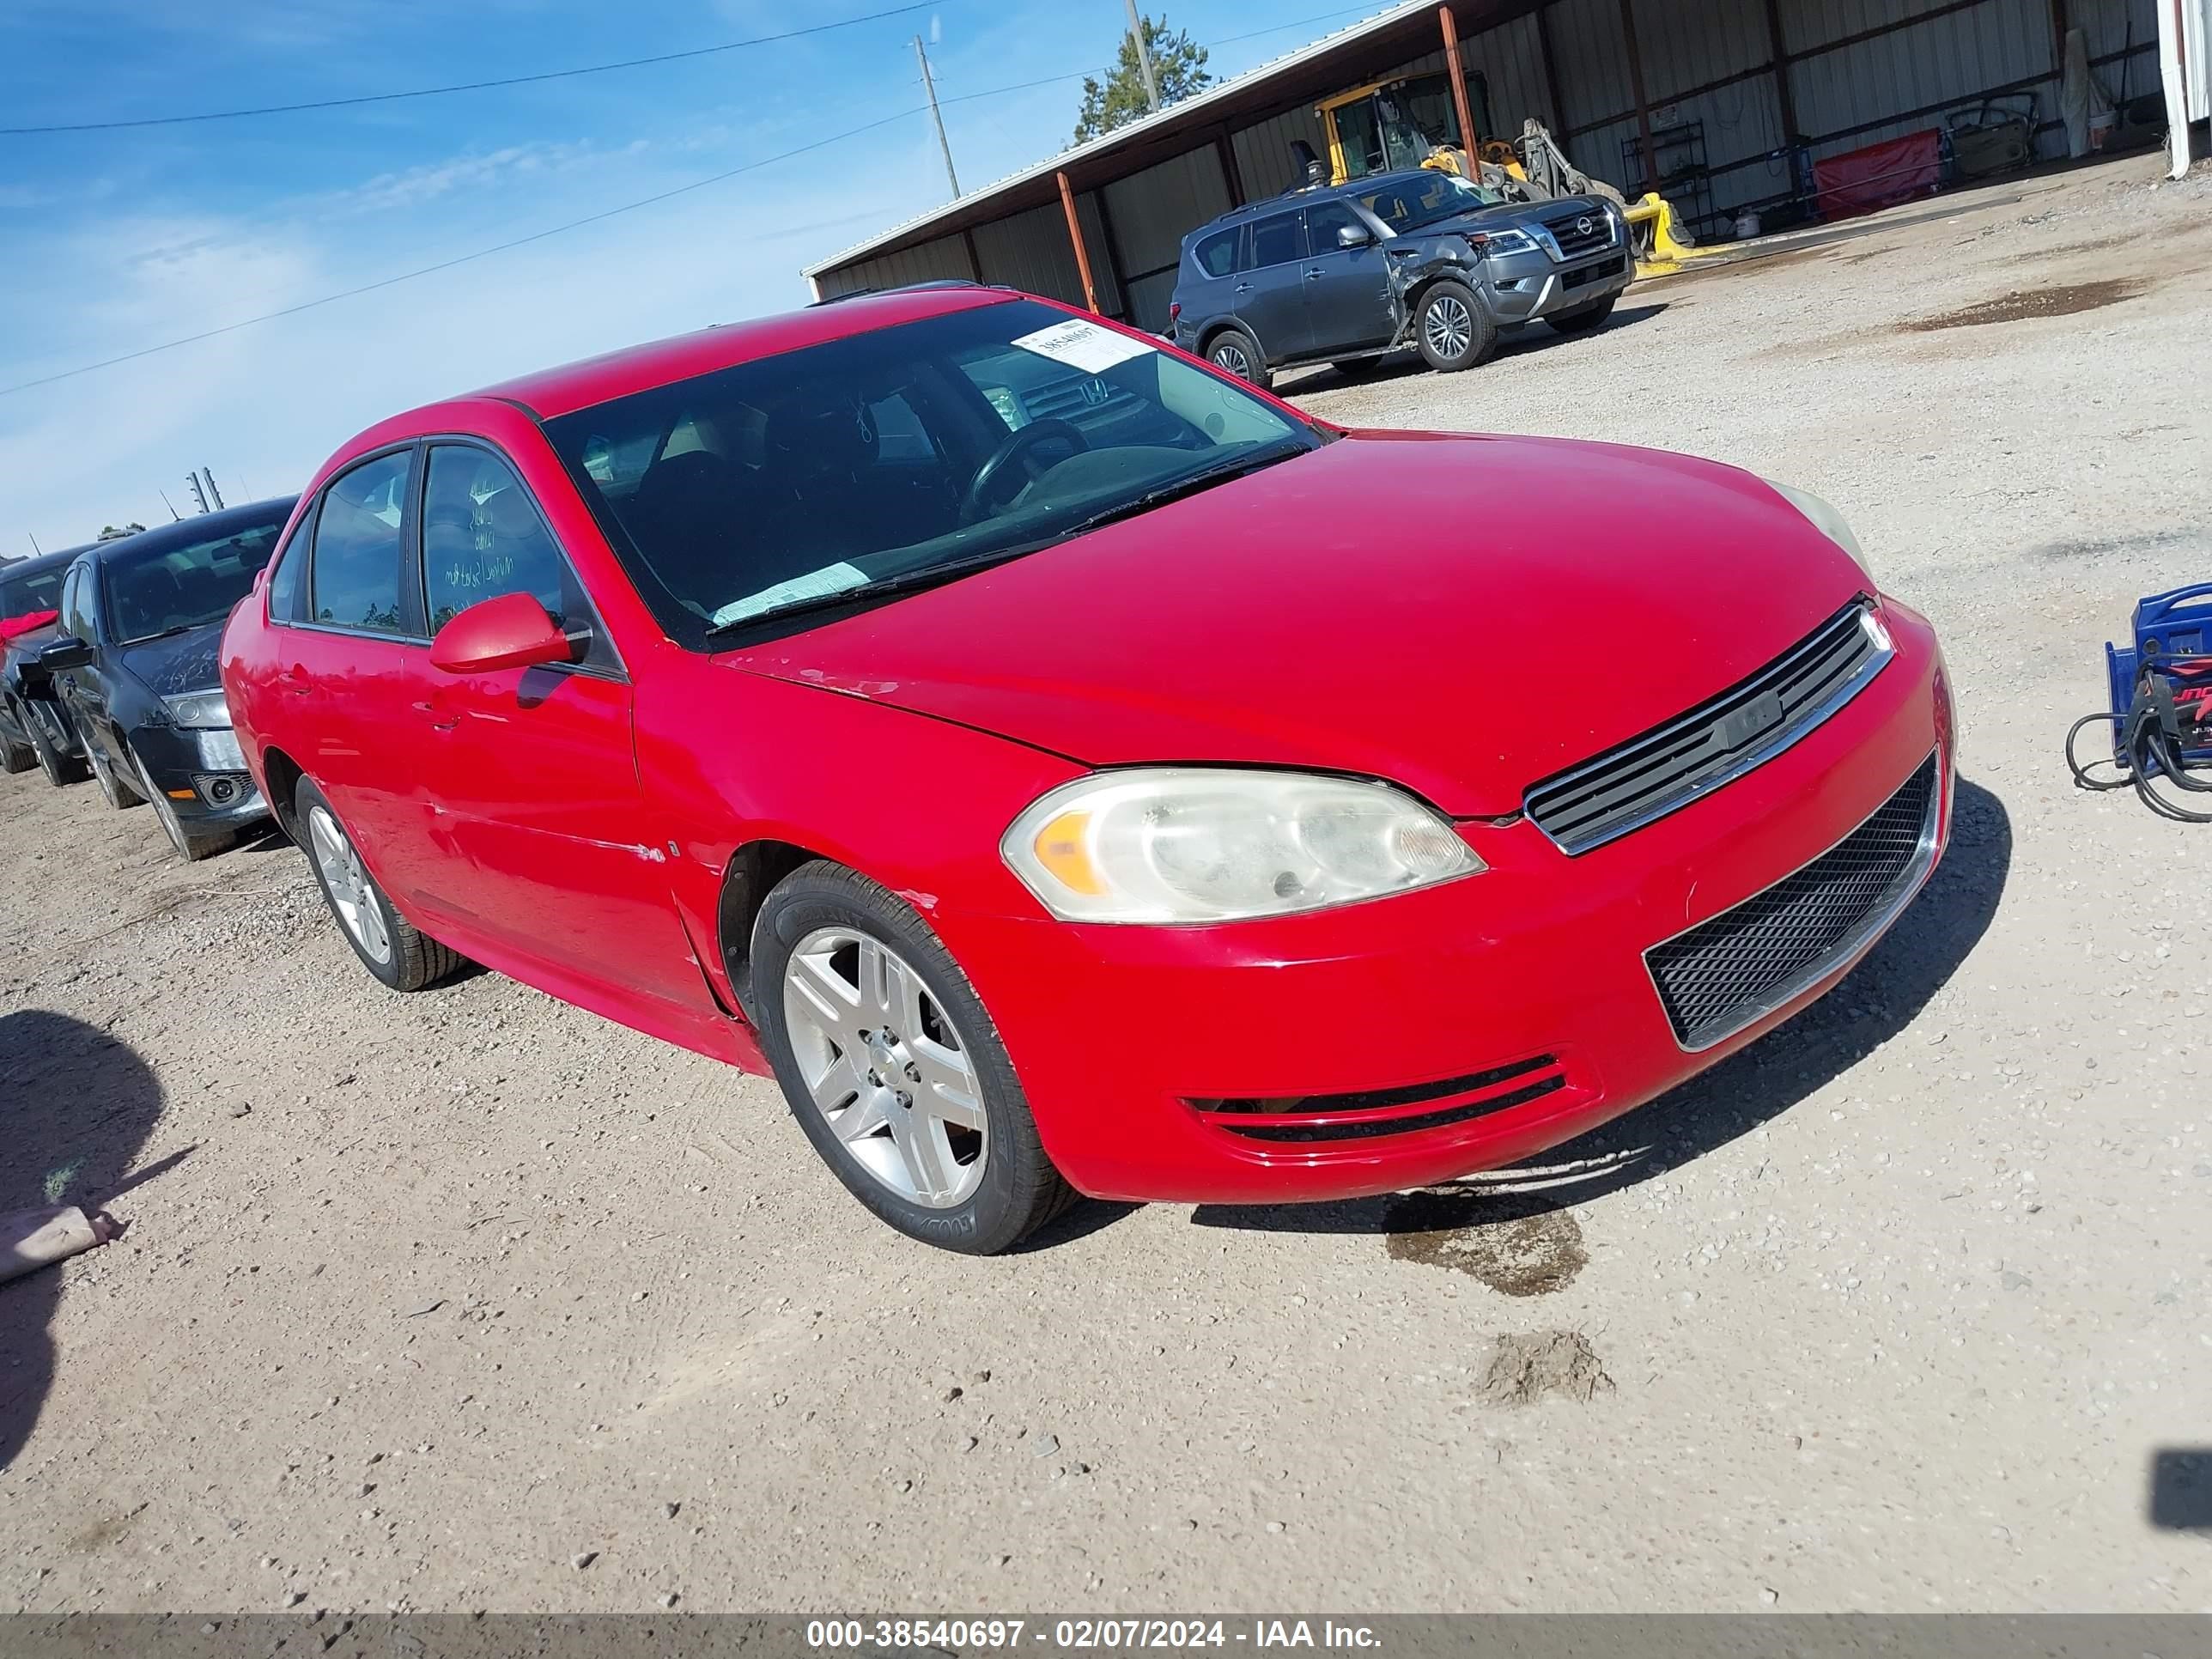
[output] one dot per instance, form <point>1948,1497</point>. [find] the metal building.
<point>1715,99</point>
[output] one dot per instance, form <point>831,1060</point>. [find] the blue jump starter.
<point>2166,626</point>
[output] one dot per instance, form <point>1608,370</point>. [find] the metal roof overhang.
<point>1333,63</point>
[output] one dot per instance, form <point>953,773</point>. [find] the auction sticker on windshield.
<point>1083,345</point>
<point>815,585</point>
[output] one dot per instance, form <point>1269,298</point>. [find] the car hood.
<point>1517,215</point>
<point>1461,614</point>
<point>182,662</point>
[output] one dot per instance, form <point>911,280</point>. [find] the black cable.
<point>469,86</point>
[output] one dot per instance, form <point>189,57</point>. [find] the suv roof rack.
<point>899,287</point>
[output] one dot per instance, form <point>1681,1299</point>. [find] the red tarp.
<point>30,623</point>
<point>1863,179</point>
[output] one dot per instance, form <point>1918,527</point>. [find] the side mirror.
<point>35,672</point>
<point>1353,236</point>
<point>512,631</point>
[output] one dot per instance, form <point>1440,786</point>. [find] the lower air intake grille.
<point>1726,973</point>
<point>1410,1110</point>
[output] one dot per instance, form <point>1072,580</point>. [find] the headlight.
<point>199,710</point>
<point>1502,242</point>
<point>1825,520</point>
<point>1189,844</point>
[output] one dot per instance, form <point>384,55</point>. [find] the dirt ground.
<point>470,1300</point>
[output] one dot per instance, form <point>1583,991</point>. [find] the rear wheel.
<point>61,768</point>
<point>389,945</point>
<point>893,1067</point>
<point>17,756</point>
<point>1237,352</point>
<point>1588,317</point>
<point>1451,328</point>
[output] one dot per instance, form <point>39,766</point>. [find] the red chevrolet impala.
<point>1068,769</point>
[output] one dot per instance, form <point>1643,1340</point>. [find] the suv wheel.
<point>1238,353</point>
<point>1451,328</point>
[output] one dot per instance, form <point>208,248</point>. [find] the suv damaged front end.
<point>1527,262</point>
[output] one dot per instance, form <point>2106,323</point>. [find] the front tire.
<point>61,769</point>
<point>1451,328</point>
<point>390,946</point>
<point>1578,322</point>
<point>893,1068</point>
<point>117,790</point>
<point>1235,352</point>
<point>190,847</point>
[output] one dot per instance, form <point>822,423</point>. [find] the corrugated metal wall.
<point>1875,85</point>
<point>929,262</point>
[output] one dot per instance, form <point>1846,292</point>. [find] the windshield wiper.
<point>906,582</point>
<point>934,575</point>
<point>1176,488</point>
<point>165,634</point>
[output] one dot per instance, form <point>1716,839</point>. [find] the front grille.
<point>1573,240</point>
<point>1590,274</point>
<point>1080,400</point>
<point>1723,974</point>
<point>1668,766</point>
<point>1411,1109</point>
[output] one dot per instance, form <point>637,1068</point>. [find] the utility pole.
<point>1144,59</point>
<point>35,548</point>
<point>208,472</point>
<point>175,517</point>
<point>199,495</point>
<point>929,86</point>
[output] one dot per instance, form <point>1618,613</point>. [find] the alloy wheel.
<point>1231,356</point>
<point>1447,327</point>
<point>347,882</point>
<point>882,1062</point>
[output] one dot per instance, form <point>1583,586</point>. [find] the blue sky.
<point>119,241</point>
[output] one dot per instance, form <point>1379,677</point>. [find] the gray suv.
<point>1347,274</point>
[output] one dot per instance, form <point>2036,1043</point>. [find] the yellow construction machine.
<point>1387,126</point>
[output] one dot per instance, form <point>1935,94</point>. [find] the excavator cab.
<point>1390,126</point>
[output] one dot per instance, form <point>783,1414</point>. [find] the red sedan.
<point>1068,769</point>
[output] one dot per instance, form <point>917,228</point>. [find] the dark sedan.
<point>132,665</point>
<point>32,733</point>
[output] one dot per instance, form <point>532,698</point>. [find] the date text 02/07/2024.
<point>963,1634</point>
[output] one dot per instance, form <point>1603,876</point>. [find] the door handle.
<point>1242,288</point>
<point>440,719</point>
<point>1314,272</point>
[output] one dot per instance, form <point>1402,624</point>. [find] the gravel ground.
<point>471,1301</point>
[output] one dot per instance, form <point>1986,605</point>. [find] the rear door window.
<point>1276,241</point>
<point>356,580</point>
<point>1217,254</point>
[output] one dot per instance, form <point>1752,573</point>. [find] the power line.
<point>457,259</point>
<point>576,224</point>
<point>469,86</point>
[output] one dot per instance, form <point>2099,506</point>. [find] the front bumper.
<point>1530,286</point>
<point>1527,985</point>
<point>202,775</point>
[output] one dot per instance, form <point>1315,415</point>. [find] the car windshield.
<point>1406,205</point>
<point>24,595</point>
<point>166,590</point>
<point>899,457</point>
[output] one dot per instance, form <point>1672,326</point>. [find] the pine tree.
<point>1178,64</point>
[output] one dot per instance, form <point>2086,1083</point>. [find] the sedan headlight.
<point>199,711</point>
<point>1190,844</point>
<point>1825,520</point>
<point>1504,242</point>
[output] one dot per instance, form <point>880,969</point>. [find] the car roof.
<point>201,527</point>
<point>42,561</point>
<point>1309,193</point>
<point>552,392</point>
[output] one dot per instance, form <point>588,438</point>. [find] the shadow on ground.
<point>75,1108</point>
<point>1377,371</point>
<point>1527,1205</point>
